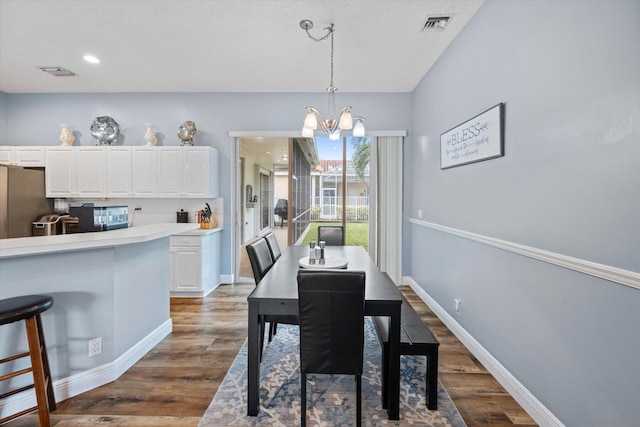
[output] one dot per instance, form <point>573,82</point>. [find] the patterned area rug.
<point>330,398</point>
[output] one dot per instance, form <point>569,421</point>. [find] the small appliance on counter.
<point>46,225</point>
<point>182,216</point>
<point>100,218</point>
<point>69,225</point>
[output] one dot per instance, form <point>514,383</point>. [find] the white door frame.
<point>235,180</point>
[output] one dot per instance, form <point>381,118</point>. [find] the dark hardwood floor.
<point>174,383</point>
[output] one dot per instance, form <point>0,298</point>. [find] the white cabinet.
<point>60,172</point>
<point>119,172</point>
<point>91,171</point>
<point>75,172</point>
<point>175,172</point>
<point>28,156</point>
<point>201,172</point>
<point>195,263</point>
<point>145,171</point>
<point>171,170</point>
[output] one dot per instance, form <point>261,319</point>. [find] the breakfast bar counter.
<point>111,286</point>
<point>79,241</point>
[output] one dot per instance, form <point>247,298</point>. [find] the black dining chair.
<point>332,235</point>
<point>331,312</point>
<point>261,262</point>
<point>274,248</point>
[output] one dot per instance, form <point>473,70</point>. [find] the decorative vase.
<point>66,136</point>
<point>150,135</point>
<point>105,129</point>
<point>186,132</point>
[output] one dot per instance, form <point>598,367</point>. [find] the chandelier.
<point>334,124</point>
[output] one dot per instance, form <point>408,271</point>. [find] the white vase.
<point>66,136</point>
<point>149,135</point>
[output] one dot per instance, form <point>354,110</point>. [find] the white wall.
<point>569,73</point>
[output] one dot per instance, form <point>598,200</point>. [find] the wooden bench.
<point>416,340</point>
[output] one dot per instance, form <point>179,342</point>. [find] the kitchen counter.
<point>112,285</point>
<point>72,242</point>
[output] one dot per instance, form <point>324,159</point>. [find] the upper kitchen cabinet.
<point>75,172</point>
<point>144,171</point>
<point>119,172</point>
<point>60,172</point>
<point>176,171</point>
<point>201,172</point>
<point>27,156</point>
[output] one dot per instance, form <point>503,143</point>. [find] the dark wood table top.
<point>280,283</point>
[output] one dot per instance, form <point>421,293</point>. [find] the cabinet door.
<point>91,172</point>
<point>119,172</point>
<point>201,172</point>
<point>29,156</point>
<point>185,268</point>
<point>6,154</point>
<point>59,173</point>
<point>171,171</point>
<point>145,171</point>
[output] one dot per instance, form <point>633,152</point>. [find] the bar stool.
<point>28,308</point>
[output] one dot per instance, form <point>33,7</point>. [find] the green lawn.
<point>357,233</point>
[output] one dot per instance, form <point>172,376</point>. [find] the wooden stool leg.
<point>33,337</point>
<point>45,365</point>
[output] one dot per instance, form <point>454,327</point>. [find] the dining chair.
<point>332,235</point>
<point>274,248</point>
<point>331,313</point>
<point>261,262</point>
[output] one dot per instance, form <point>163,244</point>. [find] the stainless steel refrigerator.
<point>22,200</point>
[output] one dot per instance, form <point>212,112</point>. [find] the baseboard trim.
<point>607,272</point>
<point>226,278</point>
<point>518,391</point>
<point>74,385</point>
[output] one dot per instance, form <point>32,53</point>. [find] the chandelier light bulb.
<point>311,121</point>
<point>346,121</point>
<point>334,136</point>
<point>358,128</point>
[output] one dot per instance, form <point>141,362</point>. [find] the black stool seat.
<point>20,308</point>
<point>29,308</point>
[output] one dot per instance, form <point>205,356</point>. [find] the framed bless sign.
<point>477,139</point>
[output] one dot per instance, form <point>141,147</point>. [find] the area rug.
<point>331,399</point>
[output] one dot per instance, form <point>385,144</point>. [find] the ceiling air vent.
<point>436,23</point>
<point>58,71</point>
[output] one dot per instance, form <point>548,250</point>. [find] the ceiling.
<point>222,45</point>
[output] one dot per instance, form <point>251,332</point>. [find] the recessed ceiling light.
<point>92,59</point>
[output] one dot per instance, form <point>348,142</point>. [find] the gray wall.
<point>569,73</point>
<point>34,119</point>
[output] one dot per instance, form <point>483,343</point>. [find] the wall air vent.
<point>58,71</point>
<point>436,23</point>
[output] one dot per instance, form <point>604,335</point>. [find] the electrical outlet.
<point>457,305</point>
<point>419,213</point>
<point>95,347</point>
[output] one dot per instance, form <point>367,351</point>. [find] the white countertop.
<point>25,246</point>
<point>200,231</point>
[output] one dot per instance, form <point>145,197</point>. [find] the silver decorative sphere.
<point>186,132</point>
<point>105,130</point>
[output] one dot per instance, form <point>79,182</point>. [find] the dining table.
<point>277,294</point>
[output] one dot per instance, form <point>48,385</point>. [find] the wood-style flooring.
<point>174,383</point>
